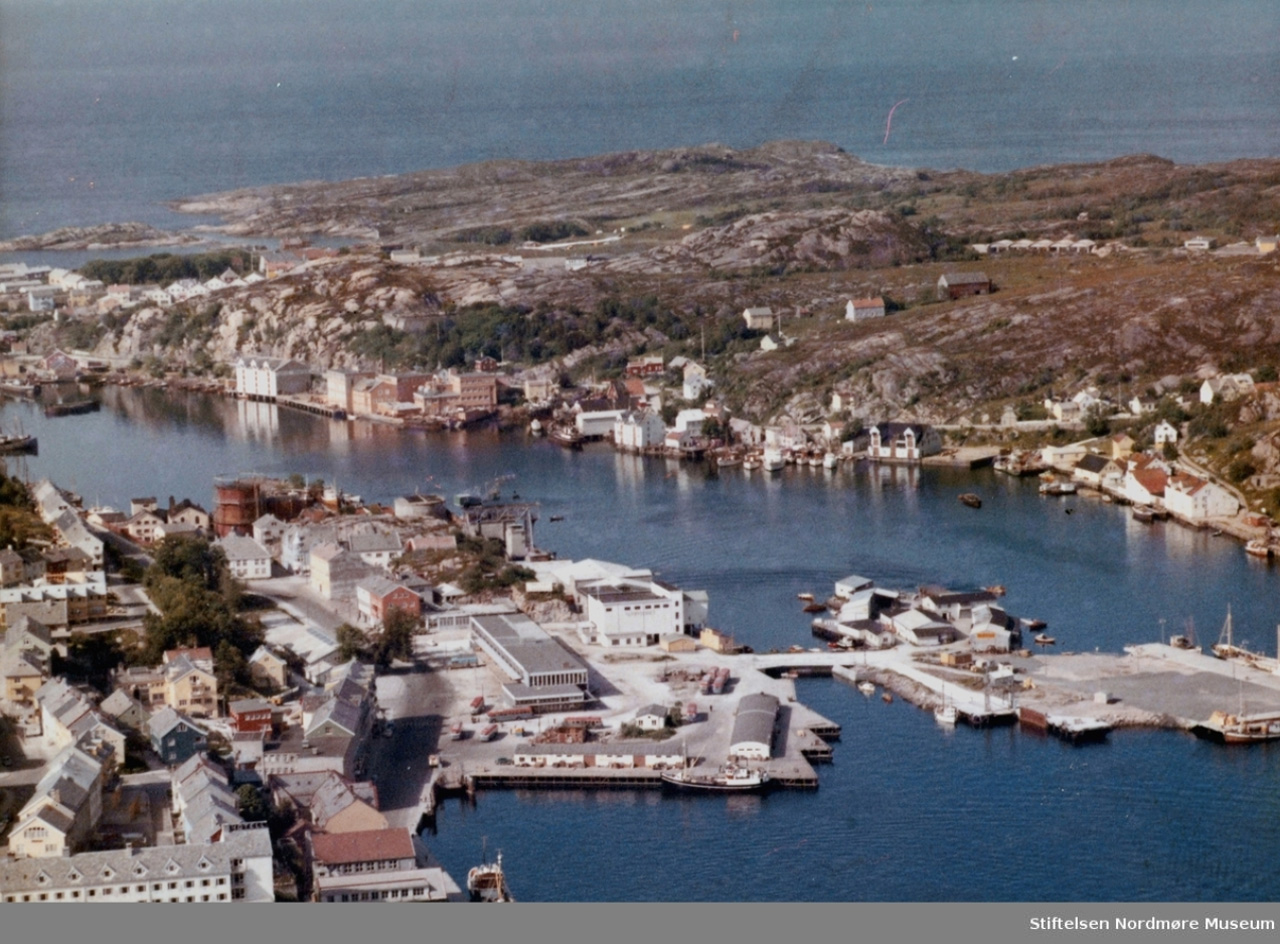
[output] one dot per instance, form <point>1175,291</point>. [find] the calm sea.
<point>907,811</point>
<point>110,108</point>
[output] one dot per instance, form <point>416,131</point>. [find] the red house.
<point>250,715</point>
<point>377,596</point>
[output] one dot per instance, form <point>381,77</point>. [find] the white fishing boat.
<point>728,778</point>
<point>830,461</point>
<point>773,460</point>
<point>947,715</point>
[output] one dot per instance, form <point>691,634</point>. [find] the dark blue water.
<point>109,109</point>
<point>908,811</point>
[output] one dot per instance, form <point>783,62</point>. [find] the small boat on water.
<point>814,607</point>
<point>830,461</point>
<point>1258,547</point>
<point>996,589</point>
<point>807,597</point>
<point>947,715</point>
<point>751,465</point>
<point>535,428</point>
<point>488,882</point>
<point>867,688</point>
<point>1143,514</point>
<point>773,460</point>
<point>729,778</point>
<point>17,443</point>
<point>1043,639</point>
<point>886,698</point>
<point>725,462</point>
<point>72,407</point>
<point>970,499</point>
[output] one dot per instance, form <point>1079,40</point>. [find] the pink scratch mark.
<point>889,123</point>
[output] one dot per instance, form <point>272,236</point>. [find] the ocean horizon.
<point>109,110</point>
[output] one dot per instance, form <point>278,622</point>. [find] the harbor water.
<point>908,811</point>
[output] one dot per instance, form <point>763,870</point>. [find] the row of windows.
<point>384,895</point>
<point>106,892</point>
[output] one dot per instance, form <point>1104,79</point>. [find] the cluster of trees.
<point>489,570</point>
<point>542,232</point>
<point>19,523</point>
<point>390,641</point>
<point>167,267</point>
<point>191,584</point>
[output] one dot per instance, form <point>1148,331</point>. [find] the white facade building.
<point>271,377</point>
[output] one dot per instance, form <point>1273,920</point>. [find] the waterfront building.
<point>339,386</point>
<point>638,430</point>
<point>753,727</point>
<point>1145,479</point>
<point>377,865</point>
<point>631,612</point>
<point>903,442</point>
<point>269,377</point>
<point>510,523</point>
<point>238,868</point>
<point>921,629</point>
<point>1196,500</point>
<point>617,755</point>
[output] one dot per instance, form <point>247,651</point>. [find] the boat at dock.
<point>1043,639</point>
<point>946,715</point>
<point>867,688</point>
<point>830,461</point>
<point>773,460</point>
<point>1058,488</point>
<point>488,882</point>
<point>17,442</point>
<point>566,436</point>
<point>1258,547</point>
<point>1243,729</point>
<point>729,778</point>
<point>1143,514</point>
<point>1019,463</point>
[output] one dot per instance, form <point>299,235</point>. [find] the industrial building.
<point>544,673</point>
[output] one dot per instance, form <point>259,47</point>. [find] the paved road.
<point>292,595</point>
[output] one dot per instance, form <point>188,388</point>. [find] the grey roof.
<point>365,542</point>
<point>527,643</point>
<point>966,278</point>
<point>166,719</point>
<point>332,797</point>
<point>241,705</point>
<point>127,865</point>
<point>118,702</point>
<point>654,709</point>
<point>754,723</point>
<point>519,691</point>
<point>237,547</point>
<point>66,784</point>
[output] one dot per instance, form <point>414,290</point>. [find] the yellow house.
<point>22,674</point>
<point>1266,244</point>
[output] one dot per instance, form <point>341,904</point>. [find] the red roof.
<point>1188,484</point>
<point>369,845</point>
<point>1153,480</point>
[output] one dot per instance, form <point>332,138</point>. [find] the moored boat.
<point>1258,547</point>
<point>17,443</point>
<point>1044,639</point>
<point>488,882</point>
<point>946,715</point>
<point>566,436</point>
<point>867,688</point>
<point>773,460</point>
<point>830,461</point>
<point>730,778</point>
<point>970,499</point>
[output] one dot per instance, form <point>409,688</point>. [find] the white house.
<point>759,319</point>
<point>1195,499</point>
<point>860,309</point>
<point>638,430</point>
<point>246,558</point>
<point>903,442</point>
<point>631,612</point>
<point>1226,387</point>
<point>651,718</point>
<point>270,377</point>
<point>1166,433</point>
<point>1145,481</point>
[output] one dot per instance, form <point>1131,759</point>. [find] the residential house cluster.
<point>184,681</point>
<point>448,394</point>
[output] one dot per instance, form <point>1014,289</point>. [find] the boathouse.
<point>753,727</point>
